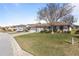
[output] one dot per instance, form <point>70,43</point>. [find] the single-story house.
<point>1,29</point>
<point>54,26</point>
<point>20,28</point>
<point>76,26</point>
<point>17,28</point>
<point>37,27</point>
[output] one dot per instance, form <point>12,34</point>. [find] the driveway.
<point>9,46</point>
<point>20,33</point>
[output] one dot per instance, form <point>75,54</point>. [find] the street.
<point>9,46</point>
<point>5,45</point>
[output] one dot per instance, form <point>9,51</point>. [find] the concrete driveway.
<point>9,46</point>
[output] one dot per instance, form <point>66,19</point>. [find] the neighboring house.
<point>76,26</point>
<point>11,28</point>
<point>37,27</point>
<point>20,28</point>
<point>1,29</point>
<point>54,26</point>
<point>16,28</point>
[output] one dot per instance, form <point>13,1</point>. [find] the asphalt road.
<point>6,48</point>
<point>9,46</point>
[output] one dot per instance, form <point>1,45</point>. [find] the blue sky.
<point>13,14</point>
<point>76,12</point>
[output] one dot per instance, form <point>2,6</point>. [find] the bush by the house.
<point>73,31</point>
<point>46,31</point>
<point>43,31</point>
<point>77,32</point>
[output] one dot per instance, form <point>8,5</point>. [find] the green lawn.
<point>48,44</point>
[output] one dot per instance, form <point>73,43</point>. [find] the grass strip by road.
<point>46,44</point>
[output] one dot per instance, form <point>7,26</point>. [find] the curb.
<point>17,51</point>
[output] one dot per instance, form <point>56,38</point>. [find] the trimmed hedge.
<point>45,31</point>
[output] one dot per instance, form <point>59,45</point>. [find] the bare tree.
<point>68,19</point>
<point>53,12</point>
<point>43,14</point>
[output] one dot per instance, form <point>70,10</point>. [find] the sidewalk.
<point>16,48</point>
<point>20,33</point>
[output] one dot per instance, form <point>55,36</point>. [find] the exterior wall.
<point>59,28</point>
<point>70,29</point>
<point>36,29</point>
<point>76,27</point>
<point>39,29</point>
<point>33,30</point>
<point>19,29</point>
<point>63,28</point>
<point>1,29</point>
<point>11,29</point>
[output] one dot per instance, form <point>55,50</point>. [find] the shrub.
<point>49,31</point>
<point>43,31</point>
<point>73,31</point>
<point>77,32</point>
<point>68,31</point>
<point>46,31</point>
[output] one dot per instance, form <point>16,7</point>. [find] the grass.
<point>46,44</point>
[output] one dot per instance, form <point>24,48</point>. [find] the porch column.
<point>52,30</point>
<point>36,29</point>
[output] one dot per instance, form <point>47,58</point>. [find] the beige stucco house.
<point>54,26</point>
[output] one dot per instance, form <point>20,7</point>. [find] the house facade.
<point>20,28</point>
<point>60,26</point>
<point>54,26</point>
<point>38,27</point>
<point>16,28</point>
<point>76,26</point>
